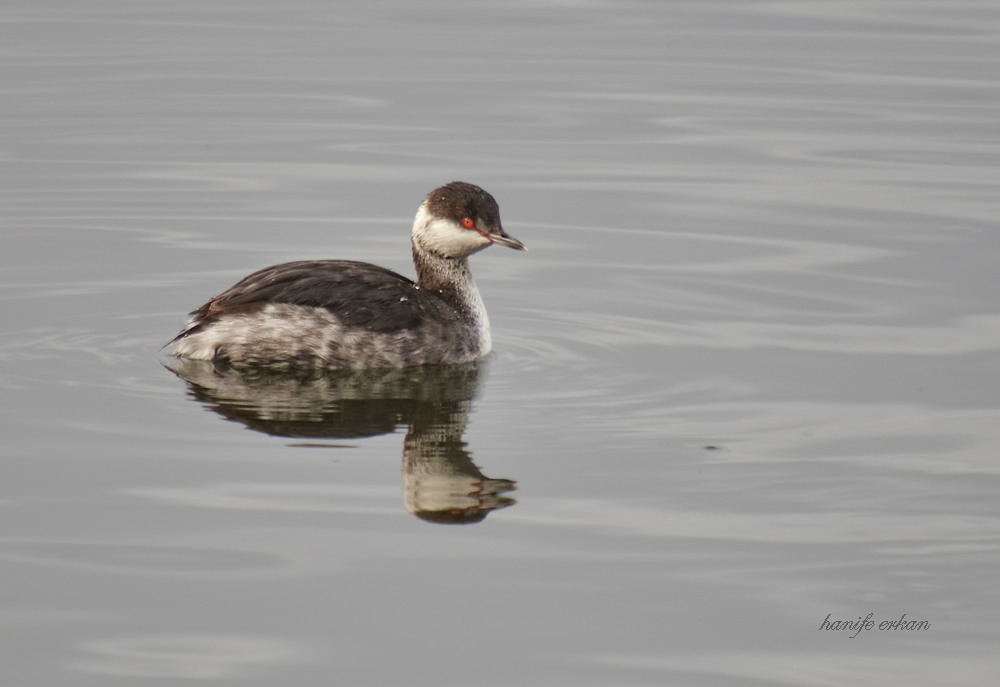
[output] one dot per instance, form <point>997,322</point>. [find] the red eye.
<point>468,223</point>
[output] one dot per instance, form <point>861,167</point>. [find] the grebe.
<point>341,313</point>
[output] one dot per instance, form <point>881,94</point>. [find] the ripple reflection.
<point>441,483</point>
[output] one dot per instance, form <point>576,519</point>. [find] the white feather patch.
<point>445,237</point>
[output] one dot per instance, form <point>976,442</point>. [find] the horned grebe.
<point>340,313</point>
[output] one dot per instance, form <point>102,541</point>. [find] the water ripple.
<point>139,558</point>
<point>184,657</point>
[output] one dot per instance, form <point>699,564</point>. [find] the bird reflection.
<point>441,483</point>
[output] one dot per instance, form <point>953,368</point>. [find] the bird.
<point>333,314</point>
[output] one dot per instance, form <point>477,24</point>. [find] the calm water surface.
<point>746,378</point>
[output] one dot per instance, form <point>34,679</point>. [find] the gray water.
<point>746,379</point>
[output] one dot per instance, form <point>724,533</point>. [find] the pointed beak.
<point>502,239</point>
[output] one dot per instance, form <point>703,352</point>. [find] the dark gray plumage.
<point>361,295</point>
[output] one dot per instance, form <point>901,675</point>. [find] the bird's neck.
<point>449,279</point>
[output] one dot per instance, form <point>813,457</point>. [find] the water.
<point>745,380</point>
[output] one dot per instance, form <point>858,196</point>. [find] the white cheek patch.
<point>444,237</point>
